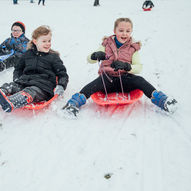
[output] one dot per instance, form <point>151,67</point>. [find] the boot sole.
<point>6,105</point>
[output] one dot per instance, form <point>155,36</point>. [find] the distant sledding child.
<point>120,62</point>
<point>38,72</point>
<point>147,5</point>
<point>17,42</point>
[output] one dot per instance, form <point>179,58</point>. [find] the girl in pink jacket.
<point>119,55</point>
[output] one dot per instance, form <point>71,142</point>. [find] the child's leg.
<point>21,98</point>
<point>79,99</point>
<point>11,88</point>
<point>97,85</point>
<point>157,97</point>
<point>132,82</point>
<point>36,93</point>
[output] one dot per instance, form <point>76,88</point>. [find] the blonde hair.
<point>40,31</point>
<point>122,20</point>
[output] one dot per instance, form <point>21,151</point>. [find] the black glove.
<point>98,56</point>
<point>4,50</point>
<point>2,66</point>
<point>11,61</point>
<point>118,65</point>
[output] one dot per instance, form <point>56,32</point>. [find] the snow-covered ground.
<point>142,148</point>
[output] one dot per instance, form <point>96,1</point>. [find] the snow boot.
<point>17,100</point>
<point>164,102</point>
<point>75,103</point>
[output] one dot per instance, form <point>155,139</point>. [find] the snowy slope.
<point>142,148</point>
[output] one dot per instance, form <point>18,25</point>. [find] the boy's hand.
<point>118,65</point>
<point>98,56</point>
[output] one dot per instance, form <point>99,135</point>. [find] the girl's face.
<point>16,31</point>
<point>43,43</point>
<point>123,31</point>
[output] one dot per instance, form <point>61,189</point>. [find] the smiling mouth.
<point>124,38</point>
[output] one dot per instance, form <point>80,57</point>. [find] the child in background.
<point>17,42</point>
<point>34,77</point>
<point>120,61</point>
<point>43,2</point>
<point>148,5</point>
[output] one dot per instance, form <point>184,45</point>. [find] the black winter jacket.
<point>40,69</point>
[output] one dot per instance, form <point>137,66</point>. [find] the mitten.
<point>59,90</point>
<point>118,65</point>
<point>98,56</point>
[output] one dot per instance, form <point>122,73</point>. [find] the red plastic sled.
<point>116,98</point>
<point>40,105</point>
<point>149,9</point>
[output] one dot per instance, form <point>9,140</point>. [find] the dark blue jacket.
<point>19,45</point>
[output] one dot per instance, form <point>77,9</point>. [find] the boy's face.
<point>16,31</point>
<point>123,31</point>
<point>43,43</point>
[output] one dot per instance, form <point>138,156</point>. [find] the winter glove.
<point>98,56</point>
<point>4,50</point>
<point>10,62</point>
<point>59,90</point>
<point>2,66</point>
<point>118,65</point>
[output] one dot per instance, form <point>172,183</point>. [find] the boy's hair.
<point>19,24</point>
<point>122,20</point>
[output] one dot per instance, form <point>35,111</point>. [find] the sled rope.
<point>122,91</point>
<point>106,94</point>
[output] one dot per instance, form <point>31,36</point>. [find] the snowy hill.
<point>142,148</point>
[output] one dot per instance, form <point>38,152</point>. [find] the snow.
<point>140,146</point>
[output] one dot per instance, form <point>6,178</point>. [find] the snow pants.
<point>36,93</point>
<point>15,1</point>
<point>129,82</point>
<point>43,1</point>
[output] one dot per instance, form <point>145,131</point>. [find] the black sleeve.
<point>19,66</point>
<point>60,71</point>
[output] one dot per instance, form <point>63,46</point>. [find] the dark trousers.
<point>43,1</point>
<point>36,93</point>
<point>15,2</point>
<point>129,81</point>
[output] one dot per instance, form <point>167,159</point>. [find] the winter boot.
<point>17,100</point>
<point>164,102</point>
<point>75,103</point>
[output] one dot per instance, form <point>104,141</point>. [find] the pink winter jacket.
<point>124,54</point>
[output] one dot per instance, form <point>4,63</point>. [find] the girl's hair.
<point>122,20</point>
<point>40,31</point>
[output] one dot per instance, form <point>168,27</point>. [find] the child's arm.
<point>136,65</point>
<point>3,44</point>
<point>20,46</point>
<point>19,66</point>
<point>60,71</point>
<point>101,48</point>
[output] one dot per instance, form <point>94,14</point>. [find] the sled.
<point>116,98</point>
<point>5,56</point>
<point>40,105</point>
<point>148,9</point>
